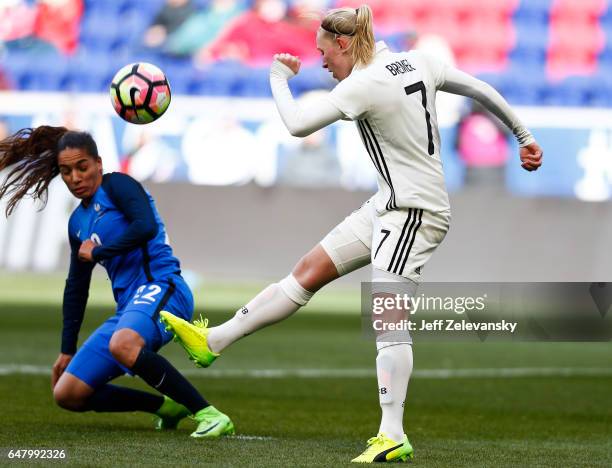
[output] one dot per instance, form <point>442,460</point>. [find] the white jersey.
<point>392,101</point>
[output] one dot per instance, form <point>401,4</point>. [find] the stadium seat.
<point>533,10</point>
<point>574,46</point>
<point>578,10</point>
<point>105,8</point>
<point>100,32</point>
<point>147,8</point>
<point>521,87</point>
<point>486,8</point>
<point>311,79</point>
<point>90,72</point>
<point>17,66</point>
<point>178,72</point>
<point>600,88</point>
<point>254,83</point>
<point>530,38</point>
<point>220,79</point>
<point>40,72</point>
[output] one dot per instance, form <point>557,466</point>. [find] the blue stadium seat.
<point>522,86</point>
<point>90,71</point>
<point>133,26</point>
<point>105,7</point>
<point>311,79</point>
<point>531,44</point>
<point>17,65</point>
<point>147,8</point>
<point>575,91</point>
<point>600,91</point>
<point>36,72</point>
<point>220,79</point>
<point>253,82</point>
<point>100,32</point>
<point>178,72</point>
<point>538,10</point>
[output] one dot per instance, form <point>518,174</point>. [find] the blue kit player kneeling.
<point>116,225</point>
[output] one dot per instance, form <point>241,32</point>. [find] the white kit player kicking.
<point>391,98</point>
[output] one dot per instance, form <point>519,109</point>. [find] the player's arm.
<point>130,198</point>
<point>300,120</point>
<point>457,82</point>
<point>76,293</point>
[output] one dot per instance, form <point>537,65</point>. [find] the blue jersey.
<point>122,220</point>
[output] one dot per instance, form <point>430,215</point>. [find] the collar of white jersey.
<point>381,46</point>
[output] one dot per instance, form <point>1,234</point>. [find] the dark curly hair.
<point>31,158</point>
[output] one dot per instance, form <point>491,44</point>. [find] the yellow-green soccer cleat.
<point>383,449</point>
<point>212,423</point>
<point>170,414</point>
<point>193,337</point>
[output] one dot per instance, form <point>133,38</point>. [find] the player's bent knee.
<point>125,344</point>
<point>68,399</point>
<point>315,270</point>
<point>304,271</point>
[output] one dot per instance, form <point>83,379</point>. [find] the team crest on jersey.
<point>97,207</point>
<point>95,238</point>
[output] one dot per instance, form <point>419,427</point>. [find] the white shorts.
<point>398,243</point>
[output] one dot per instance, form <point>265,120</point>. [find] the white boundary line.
<point>438,374</point>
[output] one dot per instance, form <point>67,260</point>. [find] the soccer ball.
<point>140,93</point>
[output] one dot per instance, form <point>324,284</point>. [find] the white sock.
<point>275,303</point>
<point>393,369</point>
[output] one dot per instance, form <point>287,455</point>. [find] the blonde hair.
<point>358,26</point>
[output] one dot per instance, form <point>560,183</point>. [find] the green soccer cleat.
<point>170,414</point>
<point>383,449</point>
<point>193,337</point>
<point>212,423</point>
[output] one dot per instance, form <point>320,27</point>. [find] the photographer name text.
<point>443,325</point>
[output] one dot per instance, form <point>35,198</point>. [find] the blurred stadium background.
<point>222,147</point>
<point>242,201</point>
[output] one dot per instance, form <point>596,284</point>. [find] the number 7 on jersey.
<point>415,88</point>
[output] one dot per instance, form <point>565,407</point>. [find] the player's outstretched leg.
<point>275,303</point>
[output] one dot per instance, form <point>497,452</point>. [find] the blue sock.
<point>113,399</point>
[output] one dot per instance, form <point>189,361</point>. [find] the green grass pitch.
<point>303,393</point>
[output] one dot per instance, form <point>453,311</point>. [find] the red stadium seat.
<point>488,8</point>
<point>574,45</point>
<point>484,45</point>
<point>577,9</point>
<point>391,16</point>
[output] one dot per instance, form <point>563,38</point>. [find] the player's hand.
<point>59,367</point>
<point>290,61</point>
<point>531,157</point>
<point>85,251</point>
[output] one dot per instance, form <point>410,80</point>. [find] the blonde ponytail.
<point>358,26</point>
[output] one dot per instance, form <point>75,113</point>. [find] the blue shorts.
<point>93,362</point>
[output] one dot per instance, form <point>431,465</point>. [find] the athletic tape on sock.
<point>385,282</point>
<point>295,291</point>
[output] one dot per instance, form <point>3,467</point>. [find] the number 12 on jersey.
<point>415,88</point>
